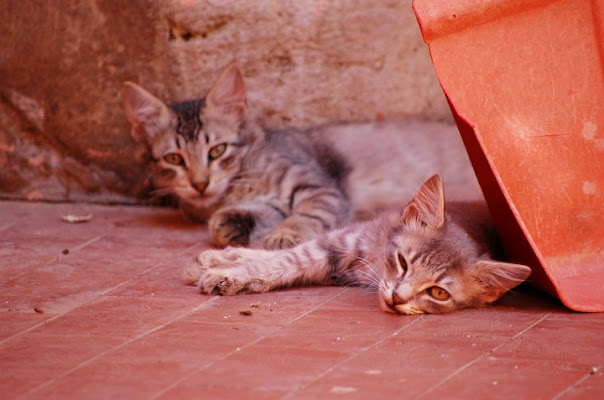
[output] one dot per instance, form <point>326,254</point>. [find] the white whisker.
<point>160,192</point>
<point>370,266</point>
<point>372,275</point>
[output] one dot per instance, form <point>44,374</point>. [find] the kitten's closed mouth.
<point>388,306</point>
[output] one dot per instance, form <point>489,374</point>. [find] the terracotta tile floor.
<point>114,320</point>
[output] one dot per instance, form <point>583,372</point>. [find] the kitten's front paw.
<point>223,282</point>
<point>229,228</point>
<point>282,238</point>
<point>193,271</point>
<point>209,259</point>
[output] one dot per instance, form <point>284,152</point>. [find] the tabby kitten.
<point>281,188</point>
<point>421,260</point>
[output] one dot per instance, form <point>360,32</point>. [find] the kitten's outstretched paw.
<point>282,239</point>
<point>215,284</point>
<point>222,282</point>
<point>210,259</point>
<point>231,229</point>
<point>193,271</point>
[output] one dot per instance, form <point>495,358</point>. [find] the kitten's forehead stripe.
<point>189,123</point>
<point>441,277</point>
<point>415,258</point>
<point>433,246</point>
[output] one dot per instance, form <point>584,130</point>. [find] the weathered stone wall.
<point>63,135</point>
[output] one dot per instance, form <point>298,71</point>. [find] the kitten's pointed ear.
<point>227,96</point>
<point>496,278</point>
<point>427,208</point>
<point>147,115</point>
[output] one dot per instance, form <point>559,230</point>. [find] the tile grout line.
<point>195,371</point>
<point>101,294</point>
<point>88,242</point>
<point>7,226</point>
<point>238,349</point>
<point>55,258</point>
<point>362,351</point>
<point>304,314</point>
<point>578,382</point>
<point>91,359</point>
<point>148,270</point>
<point>483,356</point>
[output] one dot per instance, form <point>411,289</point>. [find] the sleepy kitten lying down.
<point>421,260</point>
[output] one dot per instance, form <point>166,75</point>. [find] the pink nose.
<point>201,186</point>
<point>396,300</point>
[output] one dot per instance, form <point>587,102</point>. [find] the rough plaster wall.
<point>63,135</point>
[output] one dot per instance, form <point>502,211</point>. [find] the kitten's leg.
<point>241,224</point>
<point>241,270</point>
<point>217,259</point>
<point>333,258</point>
<point>315,210</point>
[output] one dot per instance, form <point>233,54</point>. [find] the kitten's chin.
<point>387,308</point>
<point>401,310</point>
<point>408,310</point>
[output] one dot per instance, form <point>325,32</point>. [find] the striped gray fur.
<point>280,188</point>
<point>421,260</point>
<point>188,123</point>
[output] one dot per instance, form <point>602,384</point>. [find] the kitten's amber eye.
<point>402,262</point>
<point>438,293</point>
<point>217,151</point>
<point>174,158</point>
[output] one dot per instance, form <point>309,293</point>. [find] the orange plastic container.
<point>525,81</point>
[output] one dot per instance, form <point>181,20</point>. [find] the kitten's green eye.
<point>402,262</point>
<point>217,151</point>
<point>174,158</point>
<point>438,293</point>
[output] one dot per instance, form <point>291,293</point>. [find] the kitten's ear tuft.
<point>147,115</point>
<point>497,278</point>
<point>427,207</point>
<point>227,96</point>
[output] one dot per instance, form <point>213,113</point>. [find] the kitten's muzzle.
<point>389,303</point>
<point>201,186</point>
<point>397,300</point>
